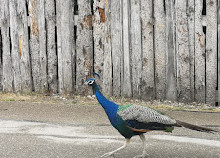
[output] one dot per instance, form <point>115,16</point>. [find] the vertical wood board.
<point>218,52</point>
<point>211,51</point>
<point>126,89</point>
<point>199,54</point>
<point>1,71</point>
<point>6,53</point>
<point>116,41</point>
<point>191,34</point>
<point>59,48</point>
<point>84,47</point>
<point>52,61</point>
<point>136,51</point>
<point>183,53</point>
<point>35,45</point>
<point>24,49</point>
<point>98,38</point>
<point>14,46</point>
<point>147,79</point>
<point>67,44</point>
<point>160,51</point>
<point>107,69</point>
<point>171,92</point>
<point>42,46</point>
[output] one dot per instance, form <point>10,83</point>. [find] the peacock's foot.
<point>108,154</point>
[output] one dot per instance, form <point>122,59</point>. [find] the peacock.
<point>131,120</point>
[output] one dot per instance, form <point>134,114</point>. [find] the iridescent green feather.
<point>169,129</point>
<point>123,107</point>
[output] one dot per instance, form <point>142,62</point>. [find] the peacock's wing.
<point>144,118</point>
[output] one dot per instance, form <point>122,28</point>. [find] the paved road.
<point>38,130</point>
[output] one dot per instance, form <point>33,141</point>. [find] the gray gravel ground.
<point>46,130</point>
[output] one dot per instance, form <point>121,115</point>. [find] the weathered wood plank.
<point>23,42</point>
<point>6,53</point>
<point>136,51</point>
<point>171,69</point>
<point>1,66</point>
<point>218,52</point>
<point>52,62</point>
<point>211,51</point>
<point>191,34</point>
<point>1,70</point>
<point>99,37</point>
<point>14,46</point>
<point>84,46</point>
<point>34,45</point>
<point>117,47</point>
<point>42,45</point>
<point>199,54</point>
<point>147,81</point>
<point>183,54</point>
<point>38,45</point>
<point>107,69</point>
<point>160,51</point>
<point>59,50</point>
<point>65,23</point>
<point>126,90</point>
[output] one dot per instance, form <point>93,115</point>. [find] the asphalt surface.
<point>44,130</point>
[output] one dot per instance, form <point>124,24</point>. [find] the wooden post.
<point>42,46</point>
<point>199,54</point>
<point>20,49</point>
<point>183,53</point>
<point>191,29</point>
<point>6,53</point>
<point>1,71</point>
<point>59,50</point>
<point>14,45</point>
<point>34,45</point>
<point>38,45</point>
<point>218,52</point>
<point>84,47</point>
<point>107,69</point>
<point>99,38</point>
<point>211,51</point>
<point>23,44</point>
<point>171,69</point>
<point>52,62</point>
<point>160,49</point>
<point>136,51</point>
<point>147,22</point>
<point>127,90</point>
<point>65,45</point>
<point>117,47</point>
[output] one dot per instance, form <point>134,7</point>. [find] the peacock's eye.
<point>91,82</point>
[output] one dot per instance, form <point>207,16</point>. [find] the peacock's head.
<point>91,81</point>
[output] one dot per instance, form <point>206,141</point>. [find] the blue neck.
<point>95,87</point>
<point>109,106</point>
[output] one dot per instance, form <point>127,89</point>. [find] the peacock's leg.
<point>127,141</point>
<point>144,147</point>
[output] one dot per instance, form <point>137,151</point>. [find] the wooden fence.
<point>150,49</point>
